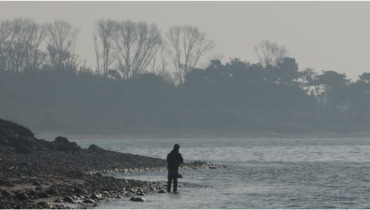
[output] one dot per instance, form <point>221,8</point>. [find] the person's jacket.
<point>174,159</point>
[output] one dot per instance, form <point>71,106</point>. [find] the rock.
<point>59,206</point>
<point>36,183</point>
<point>19,206</point>
<point>6,193</point>
<point>52,191</point>
<point>43,195</point>
<point>63,144</point>
<point>88,201</point>
<point>39,188</point>
<point>68,200</point>
<point>44,205</point>
<point>94,147</point>
<point>61,140</point>
<point>13,167</point>
<point>161,191</point>
<point>32,194</point>
<point>96,196</point>
<point>21,195</point>
<point>140,193</point>
<point>98,175</point>
<point>5,182</point>
<point>79,190</point>
<point>58,200</point>
<point>137,199</point>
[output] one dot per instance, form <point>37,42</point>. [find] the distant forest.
<point>146,82</point>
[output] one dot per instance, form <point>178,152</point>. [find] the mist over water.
<point>263,173</point>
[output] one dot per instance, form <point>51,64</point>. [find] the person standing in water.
<point>174,159</point>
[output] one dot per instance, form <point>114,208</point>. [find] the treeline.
<point>236,96</point>
<point>43,86</point>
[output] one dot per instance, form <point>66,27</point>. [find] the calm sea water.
<point>266,172</point>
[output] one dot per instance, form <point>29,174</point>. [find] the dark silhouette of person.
<point>174,159</point>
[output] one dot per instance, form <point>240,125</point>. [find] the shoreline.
<point>35,173</point>
<point>28,182</point>
<point>36,184</point>
<point>73,190</point>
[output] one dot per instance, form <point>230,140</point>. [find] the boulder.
<point>94,147</point>
<point>61,140</point>
<point>63,144</point>
<point>137,199</point>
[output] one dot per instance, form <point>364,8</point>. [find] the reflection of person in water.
<point>174,159</point>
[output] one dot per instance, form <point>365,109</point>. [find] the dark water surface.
<point>265,173</point>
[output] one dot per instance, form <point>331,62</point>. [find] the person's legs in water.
<point>175,175</point>
<point>170,178</point>
<point>175,185</point>
<point>169,184</point>
<point>172,175</point>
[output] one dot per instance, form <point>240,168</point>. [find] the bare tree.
<point>188,46</point>
<point>270,53</point>
<point>37,57</point>
<point>20,44</point>
<point>137,44</point>
<point>103,39</point>
<point>6,40</point>
<point>163,54</point>
<point>61,39</point>
<point>159,62</point>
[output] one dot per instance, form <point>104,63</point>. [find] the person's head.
<point>176,147</point>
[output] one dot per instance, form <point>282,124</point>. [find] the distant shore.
<point>196,134</point>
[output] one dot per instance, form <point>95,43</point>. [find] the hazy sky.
<point>320,35</point>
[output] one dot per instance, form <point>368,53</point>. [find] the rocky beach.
<point>35,173</point>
